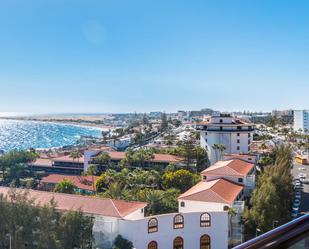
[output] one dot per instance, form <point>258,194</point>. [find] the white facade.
<point>301,120</point>
<point>88,155</point>
<point>137,231</point>
<point>236,135</point>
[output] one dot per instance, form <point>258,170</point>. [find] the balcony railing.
<point>292,235</point>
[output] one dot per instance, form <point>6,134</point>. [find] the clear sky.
<point>147,55</point>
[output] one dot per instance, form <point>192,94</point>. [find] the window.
<point>204,178</point>
<point>240,180</point>
<point>249,148</point>
<point>178,221</point>
<point>178,243</point>
<point>238,148</point>
<point>221,121</point>
<point>153,245</point>
<point>249,134</point>
<point>221,128</point>
<point>238,127</point>
<point>182,204</point>
<point>153,225</point>
<point>238,134</point>
<point>205,220</point>
<point>249,141</point>
<point>238,141</point>
<point>205,242</point>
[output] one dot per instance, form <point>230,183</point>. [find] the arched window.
<point>178,221</point>
<point>153,225</point>
<point>153,245</point>
<point>205,242</point>
<point>205,220</point>
<point>178,243</point>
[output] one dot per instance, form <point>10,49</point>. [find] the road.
<point>304,206</point>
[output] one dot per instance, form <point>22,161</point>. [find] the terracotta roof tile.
<point>220,191</point>
<point>234,167</point>
<point>89,205</point>
<point>81,182</point>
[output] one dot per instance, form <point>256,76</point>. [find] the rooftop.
<point>81,182</point>
<point>220,191</point>
<point>234,167</point>
<point>87,204</point>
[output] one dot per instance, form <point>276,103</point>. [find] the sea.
<point>22,134</point>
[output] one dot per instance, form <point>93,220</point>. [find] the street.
<point>298,169</point>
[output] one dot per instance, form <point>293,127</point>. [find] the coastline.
<point>80,123</point>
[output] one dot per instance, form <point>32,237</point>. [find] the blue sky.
<point>146,55</point>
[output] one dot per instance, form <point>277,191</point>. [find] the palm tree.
<point>153,197</point>
<point>115,191</point>
<point>76,154</point>
<point>219,148</point>
<point>231,213</point>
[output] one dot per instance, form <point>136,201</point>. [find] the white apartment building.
<point>204,229</point>
<point>301,120</point>
<point>235,134</point>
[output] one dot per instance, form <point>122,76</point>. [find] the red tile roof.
<point>234,167</point>
<point>42,162</point>
<point>219,191</point>
<point>87,204</point>
<point>246,157</point>
<point>81,182</point>
<point>68,159</point>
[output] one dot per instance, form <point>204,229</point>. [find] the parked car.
<point>302,175</point>
<point>296,203</point>
<point>294,214</point>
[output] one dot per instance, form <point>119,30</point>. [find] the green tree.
<point>65,186</point>
<point>75,230</point>
<point>272,198</point>
<point>180,179</point>
<point>122,243</point>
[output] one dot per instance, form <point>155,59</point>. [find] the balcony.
<point>293,235</point>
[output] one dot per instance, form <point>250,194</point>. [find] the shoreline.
<point>84,124</point>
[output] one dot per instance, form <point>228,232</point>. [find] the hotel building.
<point>235,134</point>
<point>301,120</point>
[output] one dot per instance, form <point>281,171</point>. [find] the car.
<point>302,175</point>
<point>301,168</point>
<point>296,203</point>
<point>294,214</point>
<point>297,197</point>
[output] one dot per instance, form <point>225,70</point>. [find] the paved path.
<point>304,206</point>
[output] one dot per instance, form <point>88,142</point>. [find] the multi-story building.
<point>301,120</point>
<point>158,160</point>
<point>223,129</point>
<point>192,229</point>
